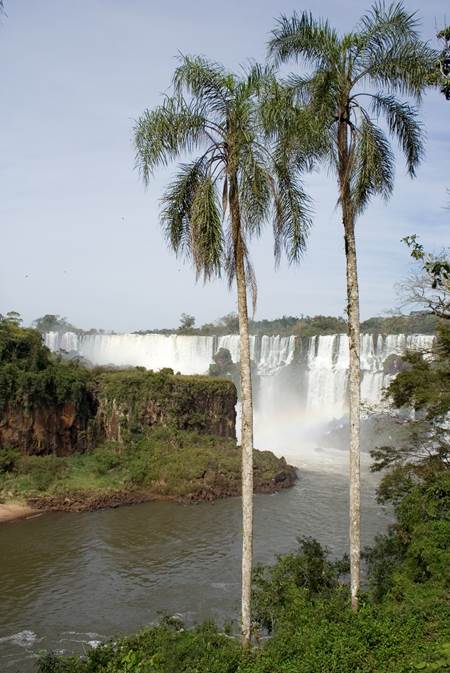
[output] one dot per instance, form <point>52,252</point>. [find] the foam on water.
<point>24,638</point>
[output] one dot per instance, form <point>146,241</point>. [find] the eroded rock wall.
<point>119,405</point>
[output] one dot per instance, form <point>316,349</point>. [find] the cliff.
<point>119,406</point>
<point>48,406</point>
<point>134,401</point>
<point>61,429</point>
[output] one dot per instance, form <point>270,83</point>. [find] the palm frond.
<point>254,191</point>
<point>257,77</point>
<point>162,134</point>
<point>176,207</point>
<point>385,24</point>
<point>403,122</point>
<point>319,92</point>
<point>292,209</point>
<point>191,220</point>
<point>402,68</point>
<point>252,285</point>
<point>302,36</point>
<point>373,167</point>
<point>206,230</point>
<point>296,128</point>
<point>204,80</point>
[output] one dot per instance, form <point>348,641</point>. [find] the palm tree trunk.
<point>355,402</point>
<point>246,419</point>
<point>355,366</point>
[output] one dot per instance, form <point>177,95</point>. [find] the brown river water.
<point>68,581</point>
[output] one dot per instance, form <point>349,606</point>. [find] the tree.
<point>441,77</point>
<point>218,201</point>
<point>422,440</point>
<point>230,323</point>
<point>187,322</point>
<point>223,366</point>
<point>382,58</point>
<point>428,288</point>
<point>12,317</point>
<point>51,322</point>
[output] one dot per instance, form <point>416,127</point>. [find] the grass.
<point>167,463</point>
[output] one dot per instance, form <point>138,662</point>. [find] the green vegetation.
<point>422,445</point>
<point>164,649</point>
<point>441,76</point>
<point>157,428</point>
<point>417,322</point>
<point>30,375</point>
<point>425,382</point>
<point>187,323</point>
<point>166,463</point>
<point>53,323</point>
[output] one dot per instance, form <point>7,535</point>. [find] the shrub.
<point>42,471</point>
<point>105,459</point>
<point>8,460</point>
<point>307,570</point>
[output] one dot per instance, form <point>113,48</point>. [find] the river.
<point>68,581</point>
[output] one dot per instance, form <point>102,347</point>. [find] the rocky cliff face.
<point>62,429</point>
<point>120,405</point>
<point>132,402</point>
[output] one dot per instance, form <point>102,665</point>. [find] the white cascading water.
<point>184,354</point>
<point>290,410</point>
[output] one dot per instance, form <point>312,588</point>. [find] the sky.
<point>80,234</point>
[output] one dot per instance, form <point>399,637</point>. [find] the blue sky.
<point>80,234</point>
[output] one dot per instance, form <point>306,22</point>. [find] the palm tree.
<point>219,200</point>
<point>354,81</point>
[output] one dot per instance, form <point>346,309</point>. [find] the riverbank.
<point>91,502</point>
<point>171,465</point>
<point>13,510</point>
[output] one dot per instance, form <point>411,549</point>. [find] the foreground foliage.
<point>422,445</point>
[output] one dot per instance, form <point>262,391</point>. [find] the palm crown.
<point>219,117</point>
<point>357,79</point>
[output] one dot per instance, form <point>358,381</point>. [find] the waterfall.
<point>317,381</point>
<point>184,354</point>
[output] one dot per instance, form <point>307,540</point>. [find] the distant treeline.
<point>417,322</point>
<point>414,323</point>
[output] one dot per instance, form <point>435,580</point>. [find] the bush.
<point>307,570</point>
<point>42,471</point>
<point>104,460</point>
<point>8,460</point>
<point>167,648</point>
